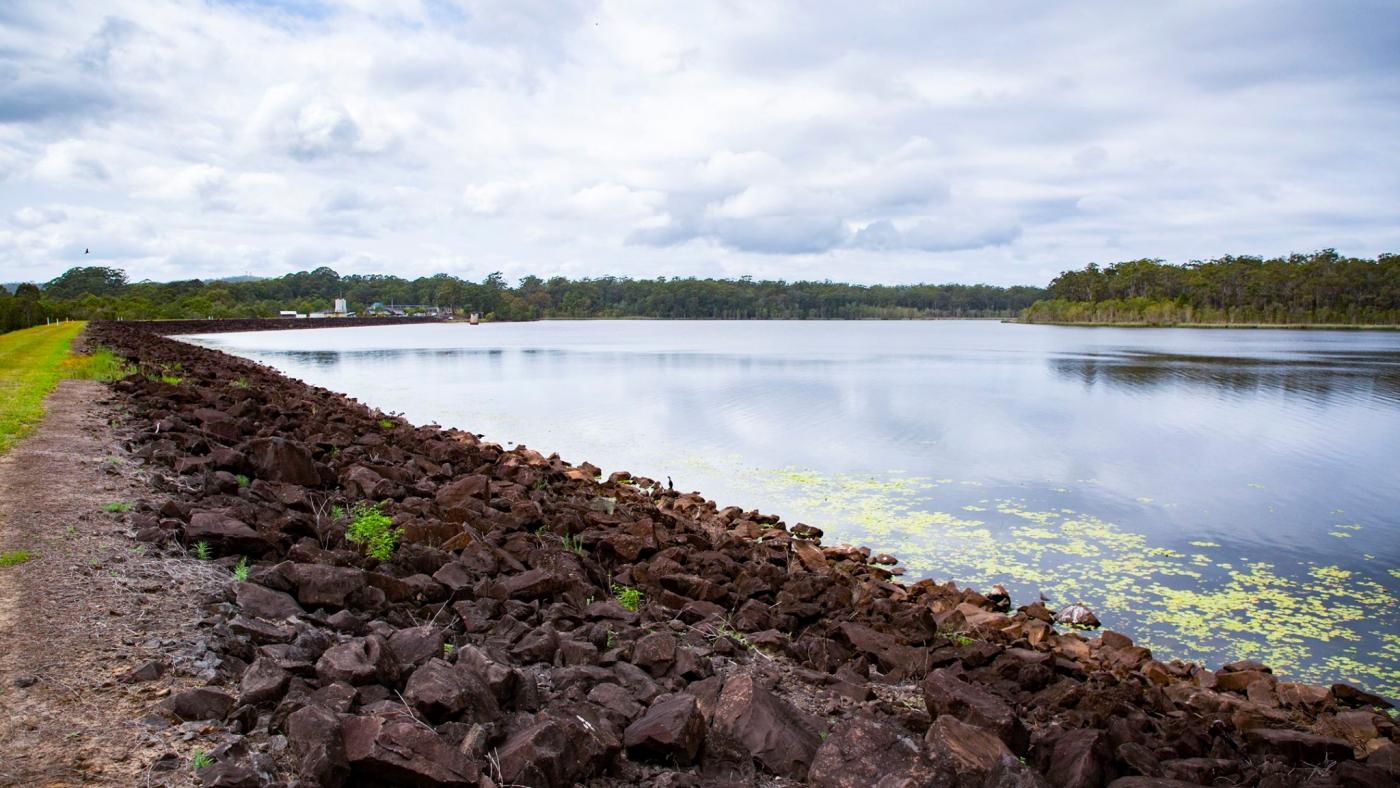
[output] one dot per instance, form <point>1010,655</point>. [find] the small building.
<point>340,306</point>
<point>287,313</point>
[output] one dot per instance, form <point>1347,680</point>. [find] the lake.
<point>1216,494</point>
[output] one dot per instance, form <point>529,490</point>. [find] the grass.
<point>200,760</point>
<point>630,598</point>
<point>15,557</point>
<point>202,551</point>
<point>373,529</point>
<point>116,507</point>
<point>102,364</point>
<point>30,366</point>
<point>386,424</point>
<point>240,570</point>
<point>573,544</point>
<point>243,481</point>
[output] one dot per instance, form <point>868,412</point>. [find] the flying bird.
<point>85,251</point>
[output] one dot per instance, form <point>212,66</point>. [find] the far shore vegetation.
<point>1322,289</point>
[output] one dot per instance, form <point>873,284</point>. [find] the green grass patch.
<point>630,598</point>
<point>373,530</point>
<point>114,508</point>
<point>30,366</point>
<point>15,557</point>
<point>101,364</point>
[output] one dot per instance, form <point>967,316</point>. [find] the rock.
<point>885,649</point>
<point>225,774</point>
<point>531,584</point>
<point>1297,747</point>
<point>319,585</point>
<point>358,661</point>
<point>1150,782</point>
<point>458,500</point>
<point>146,671</point>
<point>402,752</point>
<point>671,732</point>
<point>223,534</point>
<point>551,754</point>
<point>1079,759</point>
<point>768,727</point>
<point>945,693</point>
<point>416,645</point>
<point>655,653</point>
<point>1239,681</point>
<point>1200,771</point>
<point>1140,759</point>
<point>972,749</point>
<point>263,682</point>
<point>281,460</point>
<point>202,703</point>
<point>862,752</point>
<point>440,692</point>
<point>260,602</point>
<point>1077,616</point>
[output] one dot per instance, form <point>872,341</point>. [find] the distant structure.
<point>340,306</point>
<point>475,318</point>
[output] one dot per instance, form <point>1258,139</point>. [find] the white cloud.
<point>891,142</point>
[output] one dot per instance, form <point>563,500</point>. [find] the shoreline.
<point>752,647</point>
<point>1255,326</point>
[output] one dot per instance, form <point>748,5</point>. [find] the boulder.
<point>946,693</point>
<point>359,661</point>
<point>416,645</point>
<point>317,740</point>
<point>223,533</point>
<point>671,732</point>
<point>460,498</point>
<point>531,584</point>
<point>862,752</point>
<point>265,603</point>
<point>319,585</point>
<point>1080,759</point>
<point>553,753</point>
<point>263,682</point>
<point>282,460</point>
<point>973,750</point>
<point>440,691</point>
<point>201,703</point>
<point>402,752</point>
<point>1296,746</point>
<point>773,732</point>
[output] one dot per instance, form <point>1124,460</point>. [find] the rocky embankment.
<point>538,625</point>
<point>231,325</point>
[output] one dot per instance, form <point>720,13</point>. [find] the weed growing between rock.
<point>373,530</point>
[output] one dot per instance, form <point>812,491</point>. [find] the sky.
<point>864,142</point>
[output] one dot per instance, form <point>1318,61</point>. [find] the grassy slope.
<point>30,366</point>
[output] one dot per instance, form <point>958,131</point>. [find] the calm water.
<point>1217,494</point>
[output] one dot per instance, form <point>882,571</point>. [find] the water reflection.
<point>1364,375</point>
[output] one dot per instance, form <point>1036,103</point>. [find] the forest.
<point>96,292</point>
<point>1322,288</point>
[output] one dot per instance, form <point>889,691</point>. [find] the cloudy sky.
<point>997,142</point>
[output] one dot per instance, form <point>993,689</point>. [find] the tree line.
<point>1319,288</point>
<point>95,292</point>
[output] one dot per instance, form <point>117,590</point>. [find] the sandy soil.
<point>91,605</point>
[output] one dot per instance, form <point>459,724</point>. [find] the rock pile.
<point>539,625</point>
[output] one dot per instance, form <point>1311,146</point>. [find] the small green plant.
<point>573,544</point>
<point>612,640</point>
<point>70,531</point>
<point>243,481</point>
<point>241,383</point>
<point>240,570</point>
<point>113,508</point>
<point>447,649</point>
<point>202,551</point>
<point>386,424</point>
<point>373,529</point>
<point>170,380</point>
<point>630,598</point>
<point>959,639</point>
<point>15,557</point>
<point>540,485</point>
<point>200,760</point>
<point>337,512</point>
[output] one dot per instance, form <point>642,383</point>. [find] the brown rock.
<point>263,682</point>
<point>402,752</point>
<point>945,693</point>
<point>771,730</point>
<point>319,585</point>
<point>358,661</point>
<point>416,645</point>
<point>317,739</point>
<point>201,703</point>
<point>972,749</point>
<point>671,731</point>
<point>223,533</point>
<point>1297,747</point>
<point>1079,760</point>
<point>441,692</point>
<point>260,602</point>
<point>459,499</point>
<point>281,460</point>
<point>862,752</point>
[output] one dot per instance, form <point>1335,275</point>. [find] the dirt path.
<point>87,608</point>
